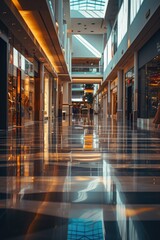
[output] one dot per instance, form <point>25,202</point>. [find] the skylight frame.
<point>87,5</point>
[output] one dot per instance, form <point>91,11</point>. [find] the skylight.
<point>87,5</point>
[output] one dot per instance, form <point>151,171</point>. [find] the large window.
<point>134,8</point>
<point>122,21</point>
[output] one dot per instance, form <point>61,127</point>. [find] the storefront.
<point>20,89</point>
<point>149,78</point>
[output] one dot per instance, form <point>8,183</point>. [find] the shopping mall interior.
<point>80,120</point>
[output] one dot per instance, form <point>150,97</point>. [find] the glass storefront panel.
<point>149,88</point>
<point>46,95</point>
<point>20,90</point>
<point>12,97</point>
<point>27,97</point>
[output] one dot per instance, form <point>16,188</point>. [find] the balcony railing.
<point>89,70</point>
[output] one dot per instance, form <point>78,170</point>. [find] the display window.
<point>46,95</point>
<point>149,88</point>
<point>20,90</point>
<point>27,96</point>
<point>12,96</point>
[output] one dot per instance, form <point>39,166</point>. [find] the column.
<point>109,98</point>
<point>50,97</point>
<point>135,87</point>
<point>70,98</point>
<point>4,85</point>
<point>41,113</point>
<point>39,94</point>
<point>120,96</point>
<point>59,98</point>
<point>105,105</point>
<point>66,98</point>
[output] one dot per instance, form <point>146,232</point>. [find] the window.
<point>87,4</point>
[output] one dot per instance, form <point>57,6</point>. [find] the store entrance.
<point>129,79</point>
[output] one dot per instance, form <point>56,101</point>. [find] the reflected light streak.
<point>135,212</point>
<point>87,155</point>
<point>83,178</point>
<point>87,159</point>
<point>82,195</point>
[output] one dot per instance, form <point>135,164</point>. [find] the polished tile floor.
<point>78,179</point>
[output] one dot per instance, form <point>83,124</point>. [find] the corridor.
<point>80,178</point>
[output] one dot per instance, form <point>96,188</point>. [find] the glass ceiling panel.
<point>87,4</point>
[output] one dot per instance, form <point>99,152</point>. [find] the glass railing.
<point>95,70</point>
<point>50,4</point>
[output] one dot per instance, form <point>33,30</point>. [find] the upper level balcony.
<point>87,71</point>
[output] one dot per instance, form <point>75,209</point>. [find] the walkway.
<point>87,178</point>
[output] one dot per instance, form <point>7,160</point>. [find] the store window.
<point>20,89</point>
<point>12,96</point>
<point>149,88</point>
<point>134,8</point>
<point>122,21</point>
<point>46,94</point>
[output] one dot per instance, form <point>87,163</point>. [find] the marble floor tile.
<point>79,178</point>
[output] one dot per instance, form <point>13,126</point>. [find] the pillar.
<point>39,94</point>
<point>4,85</point>
<point>59,99</point>
<point>41,113</point>
<point>120,96</point>
<point>70,97</point>
<point>105,105</point>
<point>66,98</point>
<point>109,98</point>
<point>135,87</point>
<point>50,97</point>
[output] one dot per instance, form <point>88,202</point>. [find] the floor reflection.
<point>79,178</point>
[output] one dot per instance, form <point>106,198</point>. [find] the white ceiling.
<point>87,26</point>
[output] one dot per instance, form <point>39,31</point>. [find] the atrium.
<point>79,119</point>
